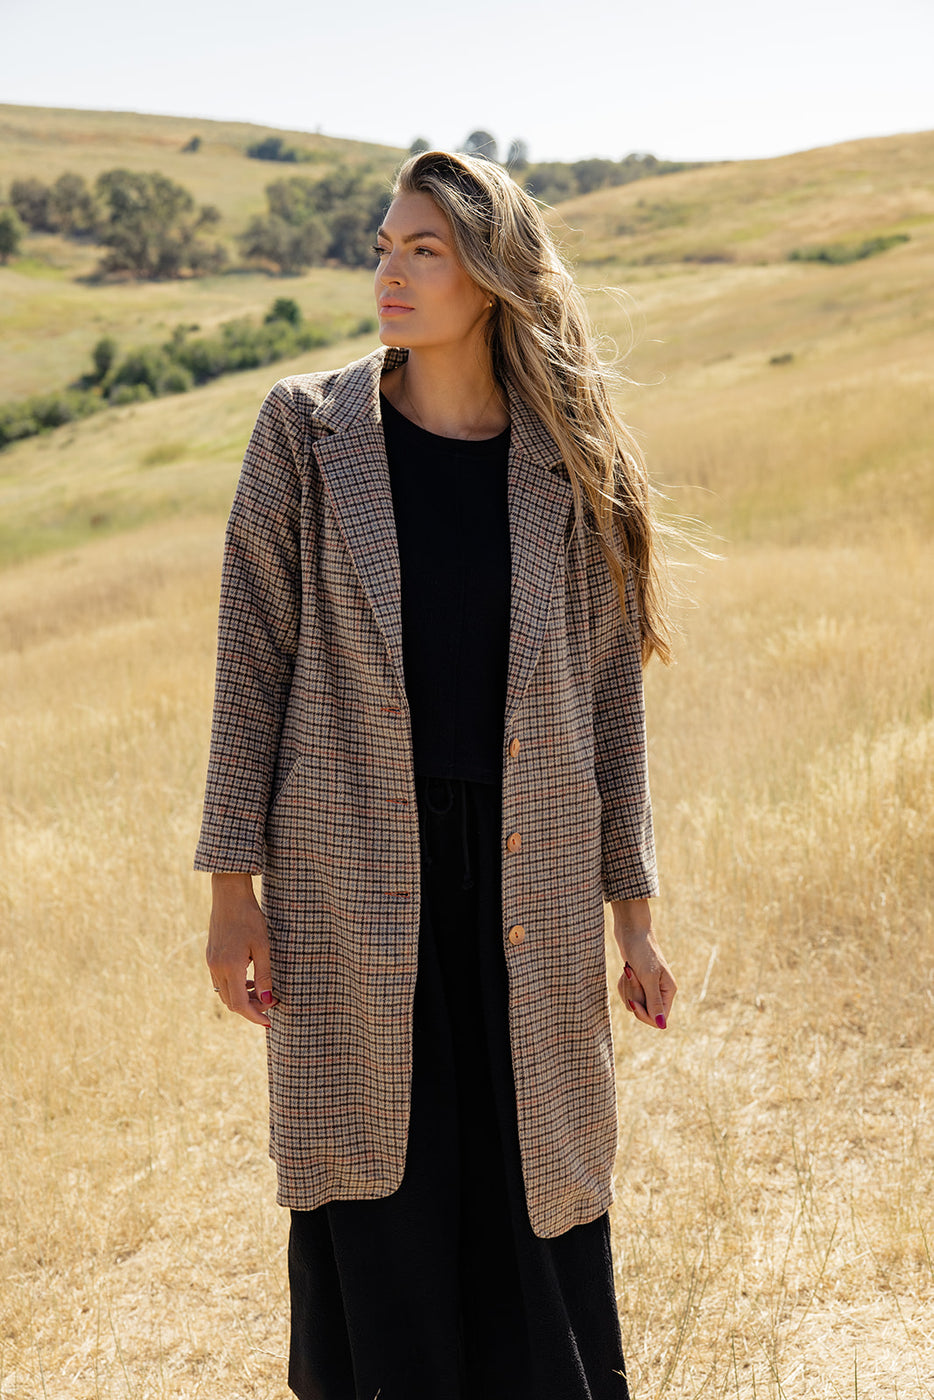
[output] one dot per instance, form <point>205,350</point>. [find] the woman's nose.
<point>389,274</point>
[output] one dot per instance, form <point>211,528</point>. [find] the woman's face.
<point>425,298</point>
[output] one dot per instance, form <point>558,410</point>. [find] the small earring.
<point>489,303</point>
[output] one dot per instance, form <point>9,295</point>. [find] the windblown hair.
<point>544,349</point>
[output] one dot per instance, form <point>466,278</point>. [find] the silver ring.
<point>217,989</point>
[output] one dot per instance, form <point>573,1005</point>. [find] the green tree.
<point>481,143</point>
<point>517,156</point>
<point>418,146</point>
<point>595,174</point>
<point>273,148</point>
<point>152,227</point>
<point>292,248</point>
<point>71,206</point>
<point>30,199</point>
<point>104,354</point>
<point>550,182</point>
<point>310,220</point>
<point>296,199</point>
<point>11,233</point>
<point>284,309</point>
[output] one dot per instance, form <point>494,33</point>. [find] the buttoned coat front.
<point>311,783</point>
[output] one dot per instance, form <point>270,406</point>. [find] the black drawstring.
<point>427,805</point>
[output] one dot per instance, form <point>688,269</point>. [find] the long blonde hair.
<point>543,345</point>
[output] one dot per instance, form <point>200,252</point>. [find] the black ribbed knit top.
<point>452,523</point>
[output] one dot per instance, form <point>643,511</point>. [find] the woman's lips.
<point>392,310</point>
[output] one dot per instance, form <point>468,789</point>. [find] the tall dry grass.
<point>773,1223</point>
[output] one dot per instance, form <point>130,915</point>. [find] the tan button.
<point>514,748</point>
<point>516,935</point>
<point>515,842</point>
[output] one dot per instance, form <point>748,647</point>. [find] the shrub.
<point>104,354</point>
<point>172,368</point>
<point>30,199</point>
<point>11,233</point>
<point>274,148</point>
<point>43,412</point>
<point>839,254</point>
<point>284,309</point>
<point>176,380</point>
<point>122,394</point>
<point>147,365</point>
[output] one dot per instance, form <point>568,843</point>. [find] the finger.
<point>645,1002</point>
<point>652,994</point>
<point>630,988</point>
<point>243,1002</point>
<point>262,975</point>
<point>669,989</point>
<point>237,994</point>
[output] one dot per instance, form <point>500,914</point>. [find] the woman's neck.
<point>448,396</point>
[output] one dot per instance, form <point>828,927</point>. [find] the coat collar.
<point>354,398</point>
<point>351,456</point>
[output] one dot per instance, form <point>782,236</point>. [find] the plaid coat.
<point>310,783</point>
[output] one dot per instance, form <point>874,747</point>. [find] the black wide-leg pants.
<point>442,1291</point>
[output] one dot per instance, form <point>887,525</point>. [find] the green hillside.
<point>757,211</point>
<point>52,316</point>
<point>780,399</point>
<point>44,141</point>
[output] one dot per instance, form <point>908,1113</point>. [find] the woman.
<point>438,593</point>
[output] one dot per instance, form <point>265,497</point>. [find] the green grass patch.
<point>181,364</point>
<point>163,453</point>
<point>839,254</point>
<point>39,268</point>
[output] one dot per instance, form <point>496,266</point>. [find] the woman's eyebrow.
<point>412,237</point>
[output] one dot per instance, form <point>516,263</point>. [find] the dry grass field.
<point>775,1216</point>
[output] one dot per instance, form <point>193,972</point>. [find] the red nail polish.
<point>632,1006</point>
<point>266,997</point>
<point>628,971</point>
<point>660,1022</point>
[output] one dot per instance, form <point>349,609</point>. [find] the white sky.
<point>694,79</point>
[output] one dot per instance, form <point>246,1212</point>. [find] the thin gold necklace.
<point>407,398</point>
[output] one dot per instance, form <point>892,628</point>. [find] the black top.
<point>452,523</point>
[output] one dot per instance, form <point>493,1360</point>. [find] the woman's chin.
<point>392,335</point>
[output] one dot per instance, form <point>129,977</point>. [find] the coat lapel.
<point>352,459</point>
<point>540,502</point>
<point>351,454</point>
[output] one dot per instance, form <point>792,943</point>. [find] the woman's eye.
<point>380,252</point>
<point>429,251</point>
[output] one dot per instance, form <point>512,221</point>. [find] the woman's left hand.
<point>647,985</point>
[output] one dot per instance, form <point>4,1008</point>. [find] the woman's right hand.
<point>237,936</point>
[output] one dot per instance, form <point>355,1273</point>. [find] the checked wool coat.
<point>310,783</point>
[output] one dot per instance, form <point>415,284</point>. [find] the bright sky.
<point>694,79</point>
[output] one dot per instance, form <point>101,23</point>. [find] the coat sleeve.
<point>627,840</point>
<point>260,612</point>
